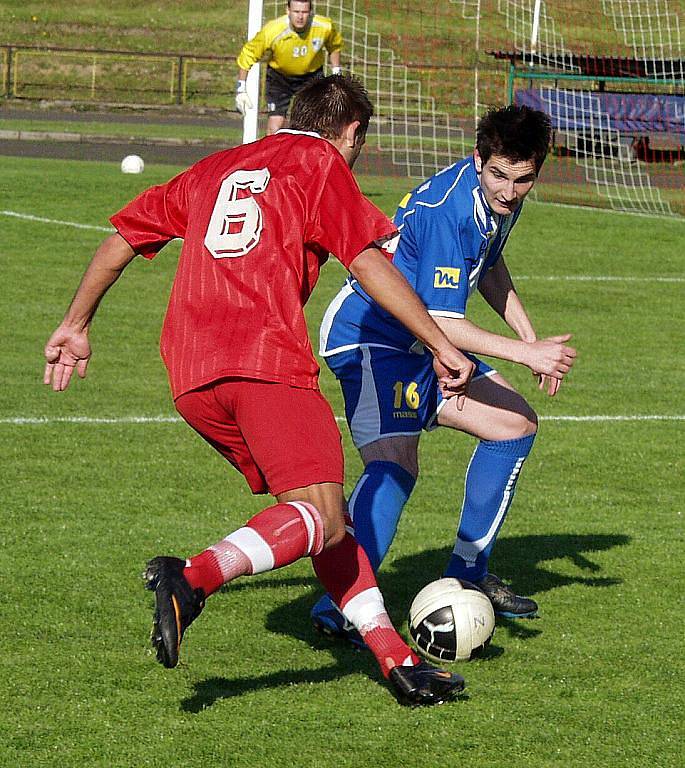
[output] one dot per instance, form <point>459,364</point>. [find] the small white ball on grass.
<point>132,164</point>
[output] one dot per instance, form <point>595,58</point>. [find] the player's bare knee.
<point>333,531</point>
<point>515,424</point>
<point>524,424</point>
<point>519,419</point>
<point>401,450</point>
<point>328,502</point>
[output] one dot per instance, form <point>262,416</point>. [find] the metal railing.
<point>122,77</point>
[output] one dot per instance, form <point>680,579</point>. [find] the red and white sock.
<point>346,573</point>
<point>274,537</point>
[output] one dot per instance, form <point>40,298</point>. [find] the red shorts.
<point>279,437</point>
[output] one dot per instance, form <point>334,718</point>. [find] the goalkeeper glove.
<point>242,100</point>
<point>336,70</point>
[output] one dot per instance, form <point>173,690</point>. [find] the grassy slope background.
<point>215,27</point>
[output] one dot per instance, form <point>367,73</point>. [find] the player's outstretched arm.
<point>548,359</point>
<point>388,286</point>
<point>68,347</point>
<point>497,288</point>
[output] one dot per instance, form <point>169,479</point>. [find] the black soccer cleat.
<point>424,685</point>
<point>177,605</point>
<point>505,601</point>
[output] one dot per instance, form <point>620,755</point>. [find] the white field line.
<point>587,208</point>
<point>42,220</point>
<point>21,420</point>
<point>590,209</point>
<point>40,420</point>
<point>600,278</point>
<point>550,278</point>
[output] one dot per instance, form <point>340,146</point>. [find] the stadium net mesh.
<point>610,74</point>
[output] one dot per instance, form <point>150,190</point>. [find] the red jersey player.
<point>257,223</point>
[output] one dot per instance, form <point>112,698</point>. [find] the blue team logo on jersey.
<point>446,277</point>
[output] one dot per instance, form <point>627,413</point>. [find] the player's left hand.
<point>67,349</point>
<point>548,383</point>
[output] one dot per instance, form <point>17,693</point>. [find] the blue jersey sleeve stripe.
<point>422,204</point>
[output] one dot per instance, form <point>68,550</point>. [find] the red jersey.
<point>258,221</point>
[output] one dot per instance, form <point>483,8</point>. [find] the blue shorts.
<point>389,392</point>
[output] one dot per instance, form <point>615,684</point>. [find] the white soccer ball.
<point>132,164</point>
<point>451,620</point>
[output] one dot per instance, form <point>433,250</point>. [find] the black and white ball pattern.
<point>451,620</point>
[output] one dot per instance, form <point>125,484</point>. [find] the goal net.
<point>408,127</point>
<point>609,73</point>
<point>608,133</point>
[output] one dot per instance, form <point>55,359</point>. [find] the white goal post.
<point>254,24</point>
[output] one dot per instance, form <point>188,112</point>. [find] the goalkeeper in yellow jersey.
<point>295,43</point>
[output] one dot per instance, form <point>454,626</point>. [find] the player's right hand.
<point>454,371</point>
<point>242,102</point>
<point>551,359</point>
<point>65,351</point>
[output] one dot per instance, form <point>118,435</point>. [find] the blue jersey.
<point>448,238</point>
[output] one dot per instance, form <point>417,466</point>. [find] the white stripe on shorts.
<point>365,425</point>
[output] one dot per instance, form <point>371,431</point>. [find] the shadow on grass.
<point>291,619</point>
<point>517,559</point>
<point>208,692</point>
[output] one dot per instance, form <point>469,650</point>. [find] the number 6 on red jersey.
<point>236,223</point>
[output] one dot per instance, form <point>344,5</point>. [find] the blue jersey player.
<point>452,232</point>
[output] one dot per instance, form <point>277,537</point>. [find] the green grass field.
<point>595,534</point>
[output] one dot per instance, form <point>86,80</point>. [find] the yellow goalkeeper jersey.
<point>292,53</point>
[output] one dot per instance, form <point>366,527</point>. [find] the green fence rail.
<point>169,78</point>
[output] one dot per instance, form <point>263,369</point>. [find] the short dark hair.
<point>517,133</point>
<point>311,3</point>
<point>327,105</point>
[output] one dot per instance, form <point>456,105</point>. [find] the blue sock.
<point>490,484</point>
<point>375,507</point>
